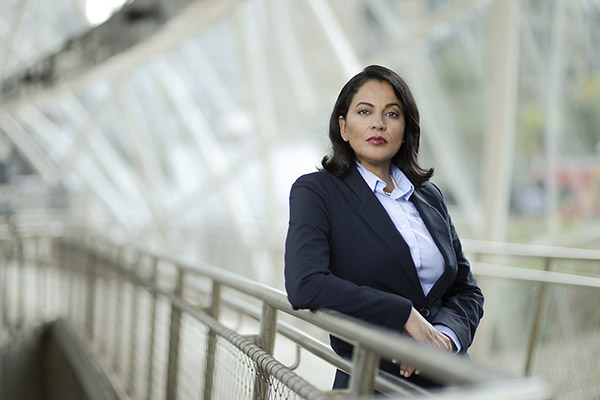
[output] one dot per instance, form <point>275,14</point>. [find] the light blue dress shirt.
<point>425,254</point>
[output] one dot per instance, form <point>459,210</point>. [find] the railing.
<point>541,313</point>
<point>158,325</point>
<point>548,258</point>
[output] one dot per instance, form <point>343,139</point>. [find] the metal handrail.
<point>441,366</point>
<point>320,349</point>
<point>548,255</point>
<point>533,275</point>
<point>528,250</point>
<point>371,342</point>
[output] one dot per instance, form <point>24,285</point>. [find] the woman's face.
<point>374,125</point>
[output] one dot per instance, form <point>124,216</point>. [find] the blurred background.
<point>181,126</point>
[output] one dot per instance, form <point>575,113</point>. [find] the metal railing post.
<point>62,281</point>
<point>4,257</point>
<point>211,346</point>
<point>91,295</point>
<point>173,361</point>
<point>104,283</point>
<point>71,282</point>
<point>132,338</point>
<point>20,296</point>
<point>8,257</point>
<point>119,285</point>
<point>36,280</point>
<point>268,328</point>
<point>266,341</point>
<point>41,261</point>
<point>537,323</point>
<point>364,367</point>
<point>150,375</point>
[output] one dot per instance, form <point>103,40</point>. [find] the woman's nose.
<point>377,123</point>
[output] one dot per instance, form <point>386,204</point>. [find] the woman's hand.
<point>422,331</point>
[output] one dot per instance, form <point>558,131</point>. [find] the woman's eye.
<point>363,112</point>
<point>392,114</point>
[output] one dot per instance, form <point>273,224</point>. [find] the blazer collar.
<point>375,215</point>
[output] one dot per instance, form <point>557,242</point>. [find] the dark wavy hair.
<point>342,156</point>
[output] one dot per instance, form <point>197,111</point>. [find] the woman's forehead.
<point>374,91</point>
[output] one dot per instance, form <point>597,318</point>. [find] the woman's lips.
<point>376,140</point>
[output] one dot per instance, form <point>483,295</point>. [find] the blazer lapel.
<point>376,216</point>
<point>438,228</point>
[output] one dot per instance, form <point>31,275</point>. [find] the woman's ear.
<point>342,123</point>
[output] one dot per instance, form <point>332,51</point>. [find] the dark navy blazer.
<point>343,252</point>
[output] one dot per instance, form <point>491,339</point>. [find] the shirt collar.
<point>404,188</point>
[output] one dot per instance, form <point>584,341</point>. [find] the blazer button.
<point>425,312</point>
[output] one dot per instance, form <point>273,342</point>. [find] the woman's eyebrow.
<point>364,103</point>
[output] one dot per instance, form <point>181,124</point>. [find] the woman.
<point>369,236</point>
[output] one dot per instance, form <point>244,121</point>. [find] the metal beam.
<point>87,171</point>
<point>79,163</point>
<point>55,141</point>
<point>291,55</point>
<point>79,166</point>
<point>147,171</point>
<point>428,28</point>
<point>553,110</point>
<point>17,21</point>
<point>29,148</point>
<point>215,162</point>
<point>500,135</point>
<point>439,132</point>
<point>337,38</point>
<point>263,104</point>
<point>223,100</point>
<point>131,36</point>
<point>105,156</point>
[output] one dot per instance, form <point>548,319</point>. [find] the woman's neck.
<point>381,170</point>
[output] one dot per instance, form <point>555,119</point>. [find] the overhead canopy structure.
<point>185,122</point>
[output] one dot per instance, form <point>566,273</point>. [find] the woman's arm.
<point>463,302</point>
<point>308,279</point>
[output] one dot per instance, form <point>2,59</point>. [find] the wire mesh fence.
<point>153,346</point>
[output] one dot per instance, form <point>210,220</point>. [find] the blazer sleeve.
<point>462,303</point>
<point>308,278</point>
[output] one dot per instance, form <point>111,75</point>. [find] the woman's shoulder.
<point>321,178</point>
<point>320,184</point>
<point>430,188</point>
<point>433,195</point>
<point>430,191</point>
